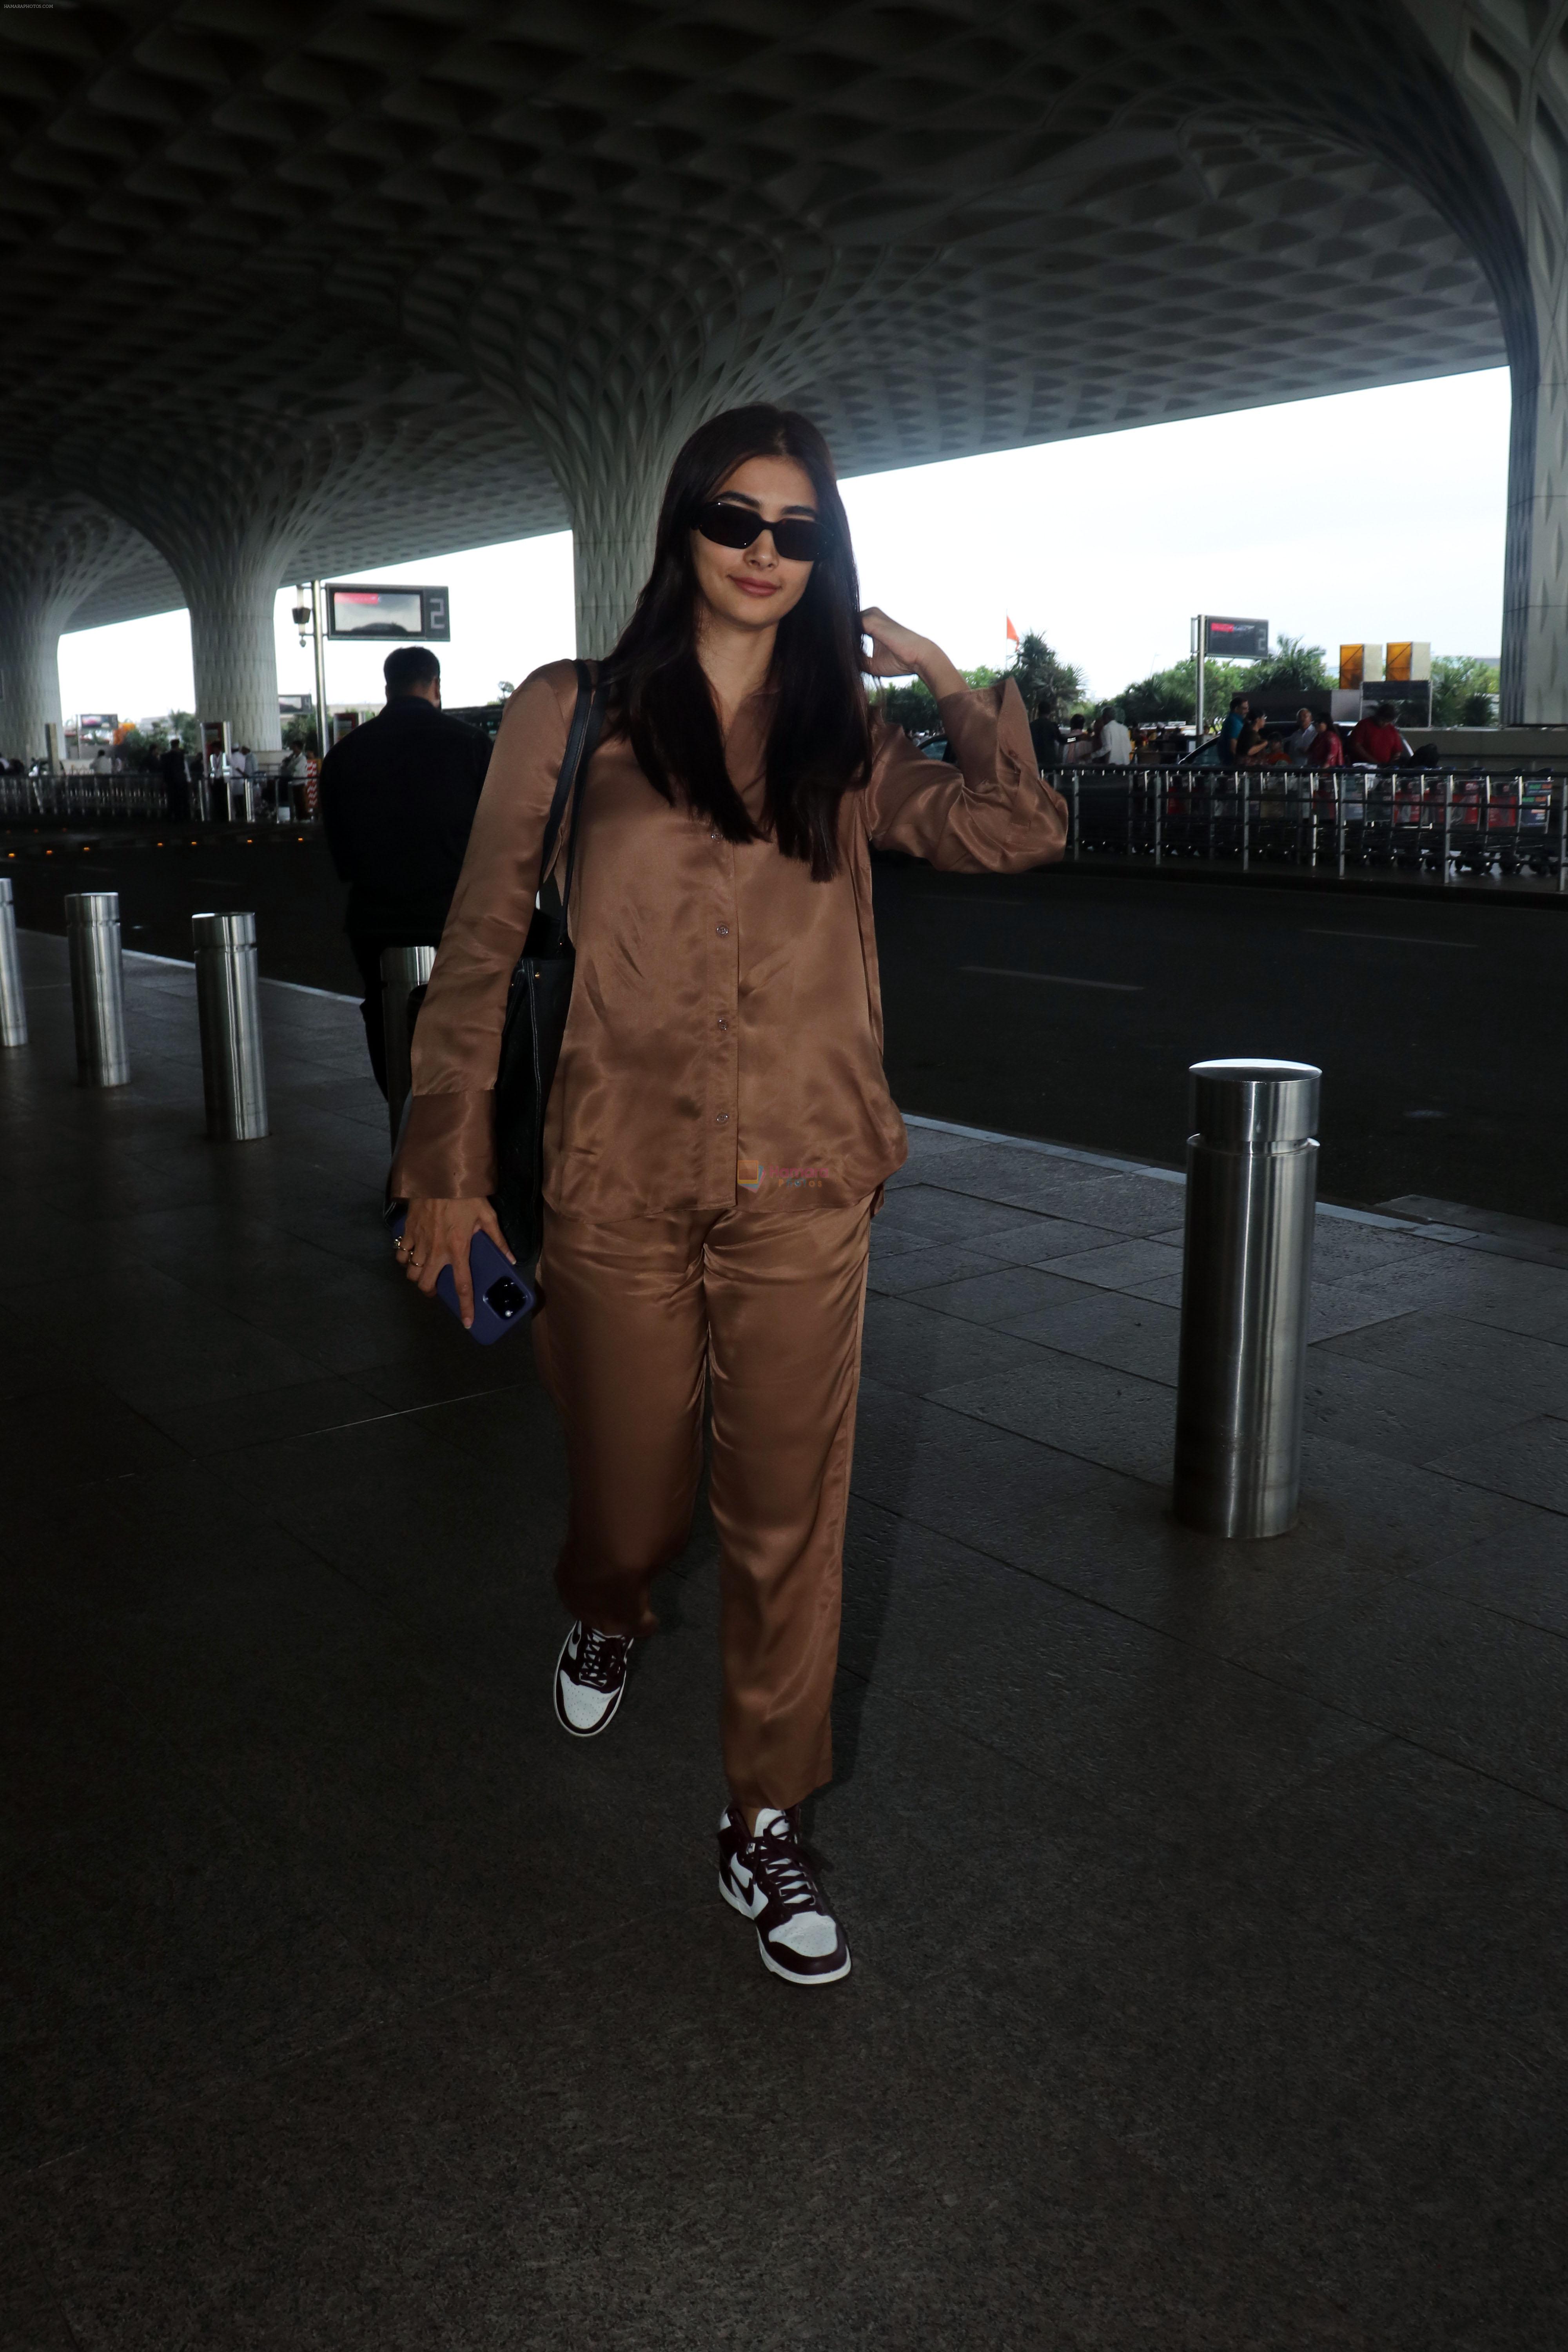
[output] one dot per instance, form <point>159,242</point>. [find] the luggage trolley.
<point>1469,824</point>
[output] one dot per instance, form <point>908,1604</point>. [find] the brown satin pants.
<point>765,1301</point>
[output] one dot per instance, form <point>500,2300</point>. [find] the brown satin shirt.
<point>726,1021</point>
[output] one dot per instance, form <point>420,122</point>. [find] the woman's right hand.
<point>437,1233</point>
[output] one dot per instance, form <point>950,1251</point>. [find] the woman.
<point>1326,751</point>
<point>1252,744</point>
<point>719,1128</point>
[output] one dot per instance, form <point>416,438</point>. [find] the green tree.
<point>300,732</point>
<point>1047,683</point>
<point>144,746</point>
<point>912,706</point>
<point>1173,693</point>
<point>1292,668</point>
<point>1464,690</point>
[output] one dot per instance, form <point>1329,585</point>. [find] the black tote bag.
<point>537,1002</point>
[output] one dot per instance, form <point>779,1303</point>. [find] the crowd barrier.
<point>63,797</point>
<point>1337,819</point>
<point>1340,819</point>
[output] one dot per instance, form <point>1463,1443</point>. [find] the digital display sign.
<point>1242,640</point>
<point>359,608</point>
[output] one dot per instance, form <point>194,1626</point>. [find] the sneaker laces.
<point>780,1863</point>
<point>601,1660</point>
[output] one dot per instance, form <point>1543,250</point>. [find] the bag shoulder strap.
<point>582,739</point>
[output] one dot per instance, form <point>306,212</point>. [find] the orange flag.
<point>1012,631</point>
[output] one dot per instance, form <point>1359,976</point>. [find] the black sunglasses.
<point>799,538</point>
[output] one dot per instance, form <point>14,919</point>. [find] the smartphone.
<point>504,1297</point>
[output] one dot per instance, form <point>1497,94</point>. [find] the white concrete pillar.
<point>29,667</point>
<point>1509,73</point>
<point>614,364</point>
<point>53,553</point>
<point>615,483</point>
<point>227,511</point>
<point>231,585</point>
<point>610,421</point>
<point>1535,568</point>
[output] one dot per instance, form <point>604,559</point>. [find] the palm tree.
<point>1047,683</point>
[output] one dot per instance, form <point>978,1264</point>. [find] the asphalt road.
<point>1069,1006</point>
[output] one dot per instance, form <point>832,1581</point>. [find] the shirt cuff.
<point>448,1149</point>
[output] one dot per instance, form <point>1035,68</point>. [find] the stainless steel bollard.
<point>234,1072</point>
<point>13,1003</point>
<point>402,970</point>
<point>1252,1178</point>
<point>97,994</point>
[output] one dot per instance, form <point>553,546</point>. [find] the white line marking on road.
<point>1385,938</point>
<point>1054,979</point>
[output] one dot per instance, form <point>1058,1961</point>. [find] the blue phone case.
<point>504,1297</point>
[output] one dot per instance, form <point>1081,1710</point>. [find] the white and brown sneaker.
<point>590,1676</point>
<point>766,1875</point>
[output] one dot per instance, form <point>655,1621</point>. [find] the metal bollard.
<point>228,1006</point>
<point>402,970</point>
<point>97,995</point>
<point>13,1003</point>
<point>1252,1174</point>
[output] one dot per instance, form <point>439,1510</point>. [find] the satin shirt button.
<point>724,930</point>
<point>723,1119</point>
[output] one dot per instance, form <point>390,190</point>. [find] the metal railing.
<point>1339,820</point>
<point>64,796</point>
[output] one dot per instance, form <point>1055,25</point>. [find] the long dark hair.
<point>819,741</point>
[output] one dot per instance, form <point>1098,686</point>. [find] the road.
<point>1069,1005</point>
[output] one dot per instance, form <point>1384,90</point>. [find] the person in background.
<point>1232,728</point>
<point>1112,743</point>
<point>103,765</point>
<point>1299,746</point>
<point>1049,736</point>
<point>176,781</point>
<point>1377,741</point>
<point>1326,751</point>
<point>1250,747</point>
<point>398,799</point>
<point>1079,744</point>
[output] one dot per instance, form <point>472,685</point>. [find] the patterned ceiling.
<point>335,284</point>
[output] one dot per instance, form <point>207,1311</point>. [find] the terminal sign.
<point>1242,640</point>
<point>358,608</point>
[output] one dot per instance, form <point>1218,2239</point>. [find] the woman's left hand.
<point>898,652</point>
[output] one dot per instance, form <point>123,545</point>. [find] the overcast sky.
<point>1369,515</point>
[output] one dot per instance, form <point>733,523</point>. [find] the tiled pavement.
<point>1208,1901</point>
